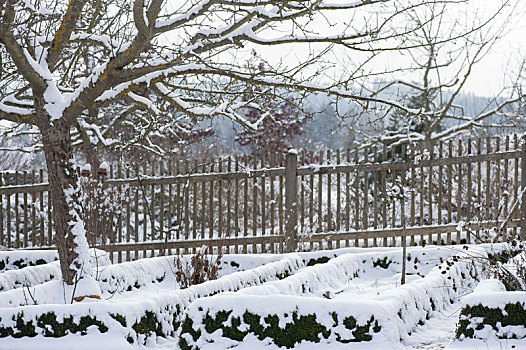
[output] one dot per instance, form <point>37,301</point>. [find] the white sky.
<point>488,76</point>
<point>500,65</point>
<point>504,58</point>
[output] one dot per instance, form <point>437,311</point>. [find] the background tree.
<point>277,126</point>
<point>413,126</point>
<point>444,51</point>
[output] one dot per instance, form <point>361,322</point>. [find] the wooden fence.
<point>458,192</point>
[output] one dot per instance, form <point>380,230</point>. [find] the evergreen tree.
<point>402,124</point>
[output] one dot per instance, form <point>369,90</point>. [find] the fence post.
<point>523,186</point>
<point>291,201</point>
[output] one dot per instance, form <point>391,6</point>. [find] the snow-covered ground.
<point>353,276</point>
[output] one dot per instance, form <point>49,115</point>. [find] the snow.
<point>350,285</point>
<point>104,165</point>
<point>15,259</point>
<point>86,167</point>
<point>358,282</point>
<point>81,263</point>
<point>92,340</point>
<point>30,276</point>
<point>492,296</point>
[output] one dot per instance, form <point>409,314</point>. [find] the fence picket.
<point>430,194</point>
<point>459,191</point>
<point>320,197</point>
<point>413,190</point>
<point>263,201</point>
<point>311,207</point>
<point>301,198</point>
<point>33,211</point>
<point>479,185</point>
<point>170,224</point>
<point>469,190</point>
<point>25,229</point>
<point>144,211</point>
<point>245,208</point>
<point>8,211</point>
<point>186,200</point>
<point>128,217</point>
<point>497,181</point>
<point>375,196</point>
<point>392,199</point>
<point>120,229</point>
<point>384,195</point>
<point>365,215</point>
<point>211,205</point>
<point>194,202</point>
<point>488,182</point>
<point>329,199</point>
<point>440,189</point>
<point>220,214</point>
<point>507,182</point>
<point>338,198</point>
<point>136,222</point>
<point>356,197</point>
<point>203,204</point>
<point>17,213</point>
<point>254,205</point>
<point>517,184</point>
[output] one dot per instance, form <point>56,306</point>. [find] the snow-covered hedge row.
<point>338,271</point>
<point>35,285</point>
<point>135,318</point>
<point>491,312</point>
<point>39,266</point>
<point>133,275</point>
<point>15,260</point>
<point>29,276</point>
<point>286,313</point>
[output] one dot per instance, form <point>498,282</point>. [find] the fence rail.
<point>453,193</point>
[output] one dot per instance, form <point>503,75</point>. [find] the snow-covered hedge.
<point>293,309</point>
<point>134,317</point>
<point>29,276</point>
<point>32,268</point>
<point>133,275</point>
<point>492,312</point>
<point>35,285</point>
<point>18,259</point>
<point>320,277</point>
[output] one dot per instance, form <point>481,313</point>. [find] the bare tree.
<point>443,53</point>
<point>86,66</point>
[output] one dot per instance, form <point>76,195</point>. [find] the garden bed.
<point>339,296</point>
<point>350,298</point>
<point>134,317</point>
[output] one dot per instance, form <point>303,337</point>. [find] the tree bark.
<point>65,195</point>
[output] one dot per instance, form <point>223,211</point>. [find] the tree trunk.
<point>65,195</point>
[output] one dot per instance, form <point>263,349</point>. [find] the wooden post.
<point>523,186</point>
<point>291,201</point>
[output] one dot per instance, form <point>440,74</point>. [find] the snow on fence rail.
<point>331,199</point>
